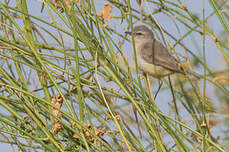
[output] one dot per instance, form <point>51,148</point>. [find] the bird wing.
<point>156,53</point>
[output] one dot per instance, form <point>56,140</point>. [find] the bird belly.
<point>153,70</point>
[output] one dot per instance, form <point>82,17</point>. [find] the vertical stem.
<point>204,123</point>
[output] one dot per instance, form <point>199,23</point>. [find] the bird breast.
<point>152,69</point>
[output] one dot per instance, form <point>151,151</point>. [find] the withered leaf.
<point>105,13</point>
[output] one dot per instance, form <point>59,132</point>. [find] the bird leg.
<point>160,84</point>
<point>136,118</point>
<point>149,85</point>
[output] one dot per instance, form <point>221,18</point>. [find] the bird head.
<point>141,33</point>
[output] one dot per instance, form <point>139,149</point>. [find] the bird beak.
<point>128,32</point>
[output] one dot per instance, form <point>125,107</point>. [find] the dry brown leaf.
<point>183,6</point>
<point>213,123</point>
<point>222,78</point>
<point>57,6</point>
<point>75,136</point>
<point>97,129</point>
<point>57,101</point>
<point>106,26</point>
<point>56,127</point>
<point>105,13</point>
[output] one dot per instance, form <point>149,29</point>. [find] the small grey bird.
<point>152,57</point>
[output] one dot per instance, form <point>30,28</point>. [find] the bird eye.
<point>138,33</point>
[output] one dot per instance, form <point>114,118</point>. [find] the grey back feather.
<point>156,53</point>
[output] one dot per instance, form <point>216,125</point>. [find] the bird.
<point>153,57</point>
